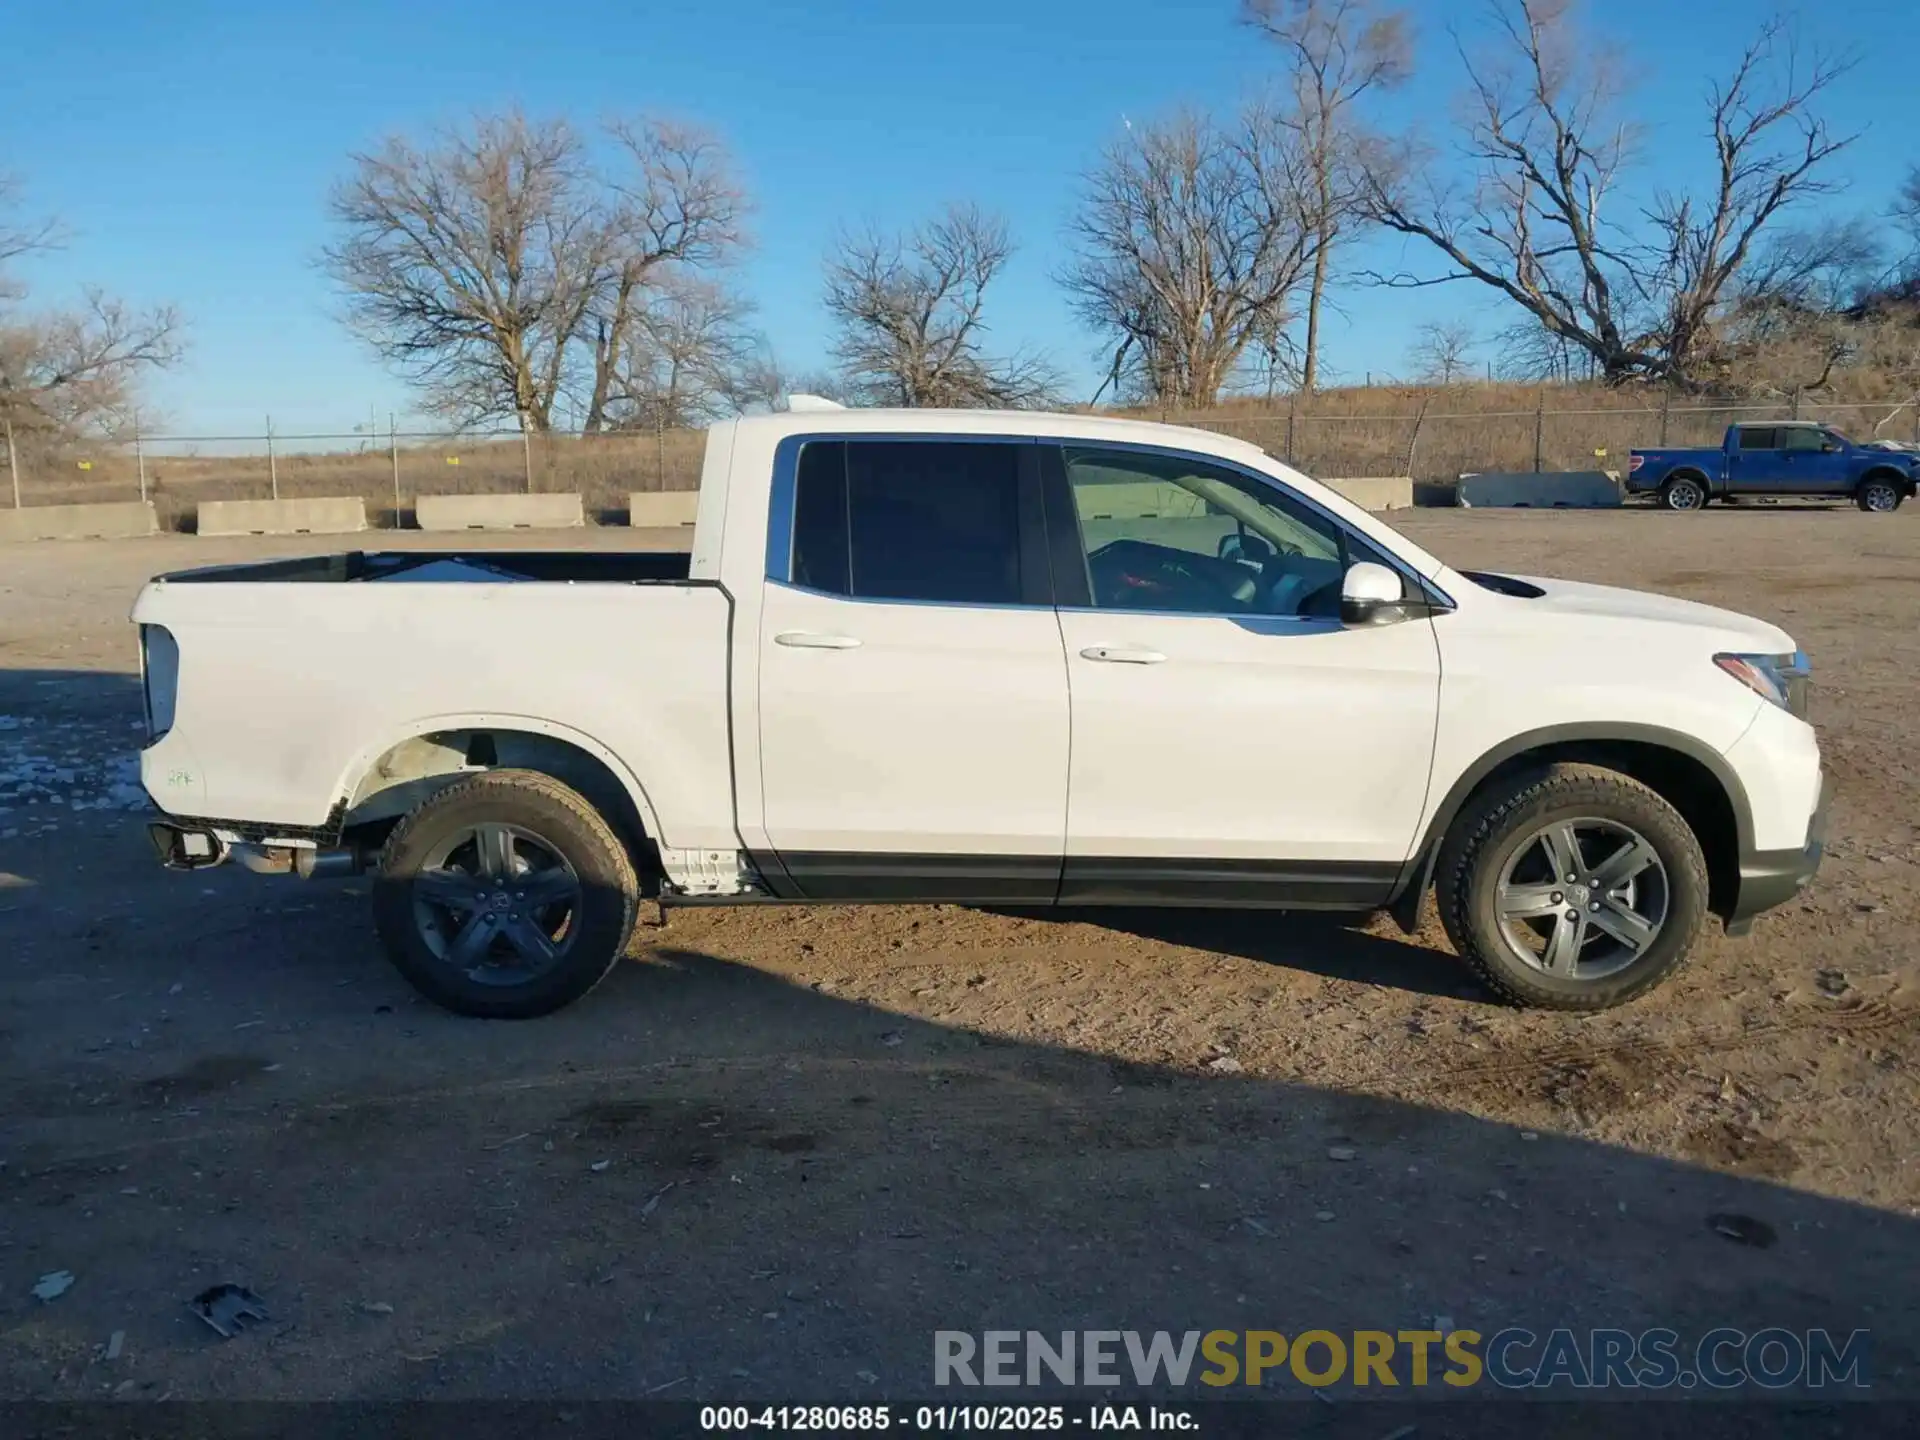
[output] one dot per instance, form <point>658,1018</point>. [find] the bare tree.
<point>1336,51</point>
<point>762,384</point>
<point>1906,218</point>
<point>1529,352</point>
<point>1443,351</point>
<point>72,372</point>
<point>688,356</point>
<point>1547,145</point>
<point>910,315</point>
<point>496,266</point>
<point>678,210</point>
<point>1188,245</point>
<point>1906,207</point>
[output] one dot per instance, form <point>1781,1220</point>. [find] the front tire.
<point>1571,888</point>
<point>1683,493</point>
<point>505,896</point>
<point>1878,495</point>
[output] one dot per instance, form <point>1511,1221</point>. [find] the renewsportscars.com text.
<point>1513,1358</point>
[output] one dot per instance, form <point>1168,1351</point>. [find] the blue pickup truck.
<point>1777,458</point>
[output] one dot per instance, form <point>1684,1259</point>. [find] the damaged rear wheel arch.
<point>414,769</point>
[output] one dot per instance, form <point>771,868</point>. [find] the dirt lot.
<point>782,1147</point>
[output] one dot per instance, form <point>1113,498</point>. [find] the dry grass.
<point>604,470</point>
<point>1436,433</point>
<point>1430,432</point>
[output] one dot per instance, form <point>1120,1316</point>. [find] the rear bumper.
<point>1769,878</point>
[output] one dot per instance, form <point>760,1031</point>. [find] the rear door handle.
<point>1121,655</point>
<point>808,640</point>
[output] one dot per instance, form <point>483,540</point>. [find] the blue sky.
<point>189,146</point>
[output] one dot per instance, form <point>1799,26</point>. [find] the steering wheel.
<point>1134,573</point>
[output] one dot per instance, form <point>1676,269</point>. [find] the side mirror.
<point>1831,447</point>
<point>1371,594</point>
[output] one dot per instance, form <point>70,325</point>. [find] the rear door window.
<point>909,520</point>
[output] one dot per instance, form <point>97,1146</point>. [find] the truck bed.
<point>600,567</point>
<point>297,676</point>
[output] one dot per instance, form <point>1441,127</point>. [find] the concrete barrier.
<point>333,515</point>
<point>1550,490</point>
<point>498,512</point>
<point>123,521</point>
<point>660,509</point>
<point>1376,492</point>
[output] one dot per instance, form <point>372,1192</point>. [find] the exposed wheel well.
<point>416,768</point>
<point>1679,779</point>
<point>1687,472</point>
<point>1900,479</point>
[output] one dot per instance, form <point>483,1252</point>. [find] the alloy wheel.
<point>496,902</point>
<point>1582,899</point>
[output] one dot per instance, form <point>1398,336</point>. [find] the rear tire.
<point>1540,941</point>
<point>505,897</point>
<point>1878,496</point>
<point>1683,493</point>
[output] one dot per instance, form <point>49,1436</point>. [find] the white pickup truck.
<point>987,658</point>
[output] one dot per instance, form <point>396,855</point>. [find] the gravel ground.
<point>783,1146</point>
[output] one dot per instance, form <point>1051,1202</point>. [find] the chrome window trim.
<point>799,589</point>
<point>786,467</point>
<point>1297,624</point>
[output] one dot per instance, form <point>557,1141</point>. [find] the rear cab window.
<point>920,520</point>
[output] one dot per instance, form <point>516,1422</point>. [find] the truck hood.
<point>1734,630</point>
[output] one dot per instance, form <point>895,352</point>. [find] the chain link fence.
<point>389,468</point>
<point>1441,444</point>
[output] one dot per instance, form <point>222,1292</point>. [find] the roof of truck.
<point>1059,426</point>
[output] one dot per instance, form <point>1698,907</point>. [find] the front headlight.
<point>1781,679</point>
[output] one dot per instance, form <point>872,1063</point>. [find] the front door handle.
<point>808,640</point>
<point>1121,655</point>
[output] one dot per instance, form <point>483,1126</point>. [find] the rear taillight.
<point>1634,462</point>
<point>159,677</point>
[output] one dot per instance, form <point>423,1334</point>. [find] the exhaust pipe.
<point>329,864</point>
<point>181,849</point>
<point>263,860</point>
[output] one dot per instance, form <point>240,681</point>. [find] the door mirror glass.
<point>1371,594</point>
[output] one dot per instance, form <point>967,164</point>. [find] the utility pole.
<point>393,448</point>
<point>273,466</point>
<point>139,457</point>
<point>13,463</point>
